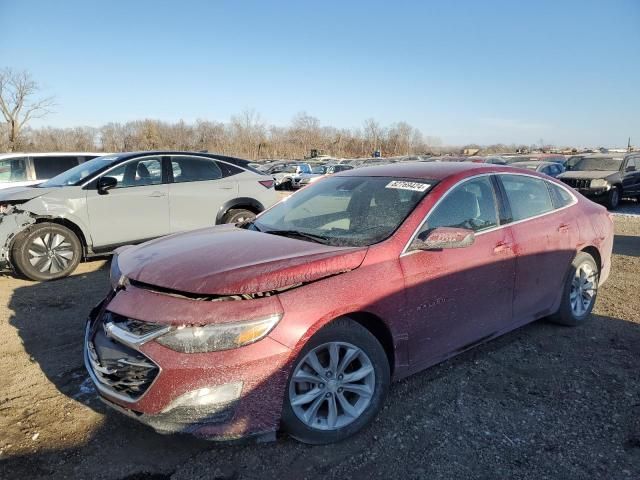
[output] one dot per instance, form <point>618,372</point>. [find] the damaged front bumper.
<point>12,222</point>
<point>221,395</point>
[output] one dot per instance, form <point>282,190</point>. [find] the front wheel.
<point>580,291</point>
<point>46,251</point>
<point>338,384</point>
<point>613,199</point>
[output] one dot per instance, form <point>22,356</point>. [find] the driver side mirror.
<point>105,184</point>
<point>444,238</point>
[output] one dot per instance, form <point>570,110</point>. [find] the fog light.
<point>210,396</point>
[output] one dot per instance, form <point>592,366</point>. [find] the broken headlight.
<point>116,277</point>
<point>222,336</point>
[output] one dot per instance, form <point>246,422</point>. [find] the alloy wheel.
<point>583,289</point>
<point>50,253</point>
<point>332,386</point>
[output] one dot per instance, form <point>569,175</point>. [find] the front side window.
<point>13,170</point>
<point>631,163</point>
<point>471,205</point>
<point>49,167</point>
<point>194,169</point>
<point>138,173</point>
<point>345,211</point>
<point>527,196</point>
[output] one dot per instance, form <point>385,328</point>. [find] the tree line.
<point>245,135</point>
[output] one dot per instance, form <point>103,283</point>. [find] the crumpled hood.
<point>22,193</point>
<point>226,260</point>
<point>587,174</point>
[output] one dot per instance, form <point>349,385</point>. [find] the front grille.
<point>577,182</point>
<point>119,368</point>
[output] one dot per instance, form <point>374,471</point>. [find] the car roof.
<point>423,170</point>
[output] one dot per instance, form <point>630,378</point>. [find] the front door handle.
<point>157,194</point>
<point>502,247</point>
<point>564,228</point>
<point>225,187</point>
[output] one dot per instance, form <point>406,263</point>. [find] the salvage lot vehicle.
<point>553,169</point>
<point>195,338</point>
<point>22,169</point>
<point>605,178</point>
<point>318,173</point>
<point>121,199</point>
<point>283,174</point>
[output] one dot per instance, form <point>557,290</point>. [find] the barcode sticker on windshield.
<point>415,186</point>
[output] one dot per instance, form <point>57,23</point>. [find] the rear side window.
<point>13,170</point>
<point>561,198</point>
<point>527,196</point>
<point>194,169</point>
<point>49,167</point>
<point>471,205</point>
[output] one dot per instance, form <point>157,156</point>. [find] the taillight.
<point>266,183</point>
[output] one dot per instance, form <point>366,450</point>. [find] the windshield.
<point>304,168</point>
<point>597,164</point>
<point>79,173</point>
<point>345,211</point>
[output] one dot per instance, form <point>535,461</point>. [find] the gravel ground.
<point>541,402</point>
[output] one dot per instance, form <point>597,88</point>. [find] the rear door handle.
<point>502,247</point>
<point>225,188</point>
<point>158,194</point>
<point>564,228</point>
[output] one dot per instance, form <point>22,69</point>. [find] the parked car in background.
<point>327,170</point>
<point>300,319</point>
<point>492,159</point>
<point>605,178</point>
<point>283,174</point>
<point>548,168</point>
<point>23,169</point>
<point>120,199</point>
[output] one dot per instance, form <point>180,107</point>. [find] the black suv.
<point>604,178</point>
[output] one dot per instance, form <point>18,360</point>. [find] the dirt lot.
<point>541,402</point>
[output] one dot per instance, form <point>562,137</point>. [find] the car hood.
<point>226,260</point>
<point>22,193</point>
<point>587,174</point>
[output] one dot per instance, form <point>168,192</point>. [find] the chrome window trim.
<point>406,251</point>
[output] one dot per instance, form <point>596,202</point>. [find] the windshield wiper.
<point>296,233</point>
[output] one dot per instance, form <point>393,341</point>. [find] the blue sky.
<point>486,71</point>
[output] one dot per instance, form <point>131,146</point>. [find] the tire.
<point>613,199</point>
<point>575,313</point>
<point>236,215</point>
<point>365,395</point>
<point>46,251</point>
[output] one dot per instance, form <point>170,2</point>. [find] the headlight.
<point>115,275</point>
<point>599,183</point>
<point>211,338</point>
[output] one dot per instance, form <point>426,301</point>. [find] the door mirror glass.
<point>444,238</point>
<point>105,184</point>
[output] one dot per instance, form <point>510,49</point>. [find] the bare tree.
<point>19,102</point>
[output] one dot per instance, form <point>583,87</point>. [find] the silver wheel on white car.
<point>46,251</point>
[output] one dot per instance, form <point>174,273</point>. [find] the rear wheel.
<point>580,291</point>
<point>338,384</point>
<point>46,251</point>
<point>237,215</point>
<point>613,199</point>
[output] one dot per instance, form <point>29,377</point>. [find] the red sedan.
<point>300,319</point>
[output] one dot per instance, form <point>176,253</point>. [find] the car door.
<point>545,240</point>
<point>197,191</point>
<point>631,176</point>
<point>455,298</point>
<point>136,209</point>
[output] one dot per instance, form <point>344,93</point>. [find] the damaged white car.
<point>99,205</point>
